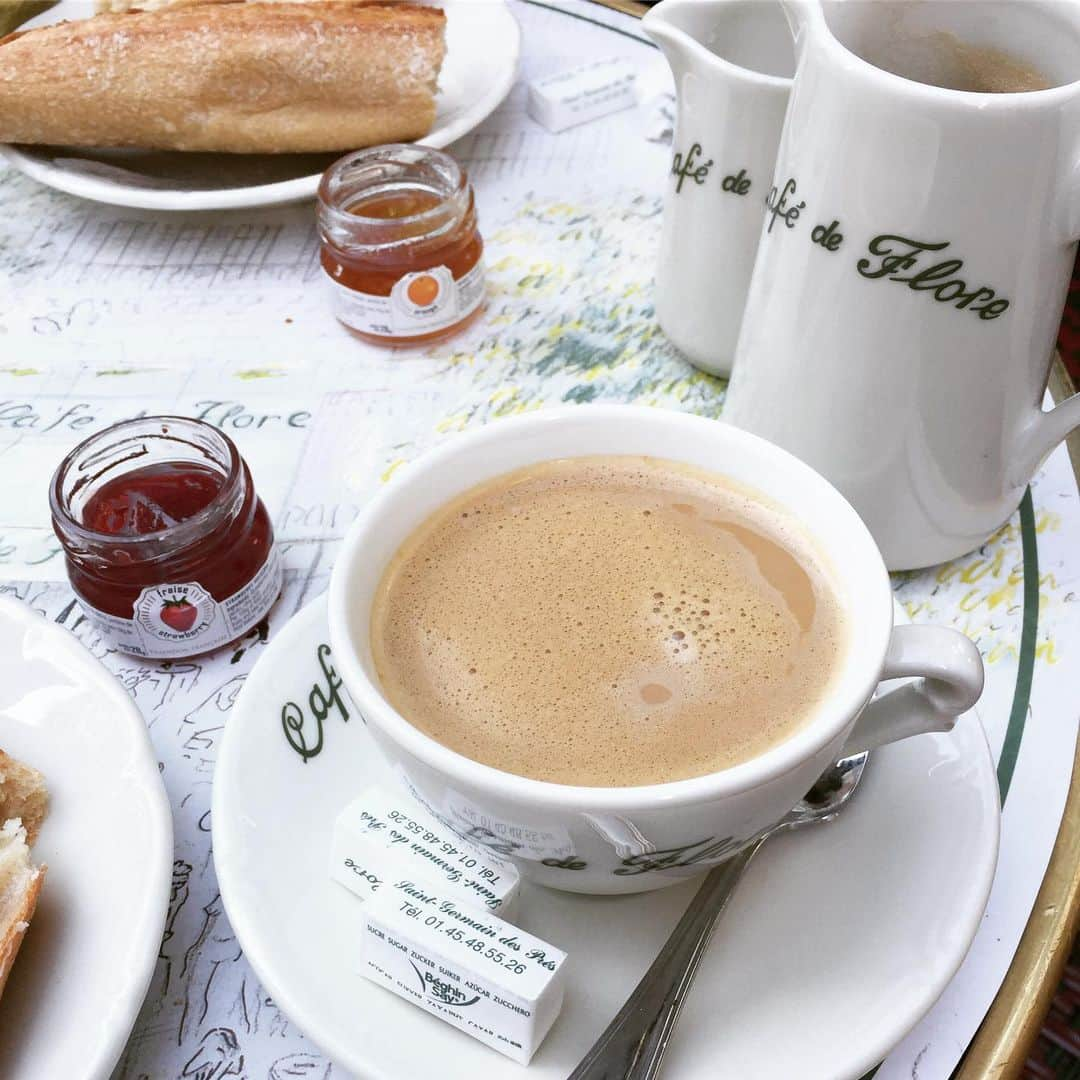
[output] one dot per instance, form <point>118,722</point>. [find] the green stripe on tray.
<point>595,22</point>
<point>1010,749</point>
<point>1025,667</point>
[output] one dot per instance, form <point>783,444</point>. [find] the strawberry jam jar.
<point>169,550</point>
<point>400,244</point>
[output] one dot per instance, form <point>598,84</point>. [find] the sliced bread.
<point>20,883</point>
<point>22,795</point>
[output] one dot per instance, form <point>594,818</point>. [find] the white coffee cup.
<point>911,274</point>
<point>630,839</point>
<point>732,61</point>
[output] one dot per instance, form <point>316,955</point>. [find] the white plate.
<point>838,940</point>
<point>483,41</point>
<point>85,964</point>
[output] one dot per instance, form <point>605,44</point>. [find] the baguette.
<point>227,76</point>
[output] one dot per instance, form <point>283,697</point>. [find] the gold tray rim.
<point>1010,1028</point>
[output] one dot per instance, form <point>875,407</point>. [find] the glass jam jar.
<point>400,244</point>
<point>169,550</point>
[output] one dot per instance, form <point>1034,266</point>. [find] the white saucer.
<point>837,941</point>
<point>85,964</point>
<point>483,41</point>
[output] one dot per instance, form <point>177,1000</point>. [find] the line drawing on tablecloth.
<point>118,311</point>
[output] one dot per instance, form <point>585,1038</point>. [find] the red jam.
<point>169,549</point>
<point>151,498</point>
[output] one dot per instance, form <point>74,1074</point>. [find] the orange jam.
<point>400,244</point>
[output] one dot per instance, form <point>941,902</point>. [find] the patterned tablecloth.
<point>110,313</point>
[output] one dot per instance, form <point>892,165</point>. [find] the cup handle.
<point>951,681</point>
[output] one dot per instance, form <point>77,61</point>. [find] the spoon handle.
<point>633,1044</point>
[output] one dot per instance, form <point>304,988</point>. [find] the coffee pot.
<point>917,245</point>
<point>732,61</point>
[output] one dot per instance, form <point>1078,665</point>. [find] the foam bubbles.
<point>537,623</point>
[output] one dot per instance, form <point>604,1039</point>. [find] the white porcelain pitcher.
<point>914,262</point>
<point>732,61</point>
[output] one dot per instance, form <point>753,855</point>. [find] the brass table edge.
<point>627,7</point>
<point>1010,1028</point>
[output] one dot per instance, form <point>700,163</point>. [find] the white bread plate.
<point>83,970</point>
<point>483,43</point>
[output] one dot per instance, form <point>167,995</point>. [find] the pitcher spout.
<point>662,24</point>
<point>1040,435</point>
<point>743,41</point>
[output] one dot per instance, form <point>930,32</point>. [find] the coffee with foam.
<point>608,621</point>
<point>941,58</point>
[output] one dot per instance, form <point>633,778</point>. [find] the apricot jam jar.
<point>400,244</point>
<point>169,550</point>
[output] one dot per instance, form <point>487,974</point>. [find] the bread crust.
<point>12,938</point>
<point>23,795</point>
<point>229,76</point>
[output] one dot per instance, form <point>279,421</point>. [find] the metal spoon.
<point>632,1047</point>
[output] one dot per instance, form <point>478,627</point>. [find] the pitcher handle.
<point>951,671</point>
<point>803,16</point>
<point>1044,430</point>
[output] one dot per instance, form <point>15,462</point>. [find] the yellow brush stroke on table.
<point>1046,650</point>
<point>976,598</point>
<point>974,571</point>
<point>537,285</point>
<point>550,209</point>
<point>1009,533</point>
<point>912,609</point>
<point>456,422</point>
<point>454,359</point>
<point>19,372</point>
<point>260,373</point>
<point>512,405</point>
<point>391,469</point>
<point>488,355</point>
